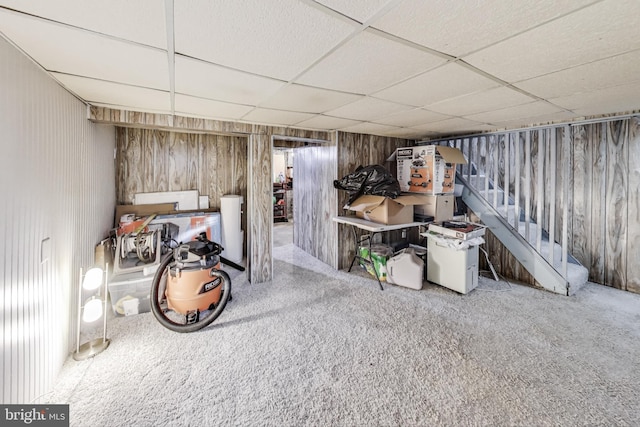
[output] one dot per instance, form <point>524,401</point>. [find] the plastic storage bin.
<point>406,269</point>
<point>129,293</point>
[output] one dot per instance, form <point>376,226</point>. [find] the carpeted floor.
<point>318,347</point>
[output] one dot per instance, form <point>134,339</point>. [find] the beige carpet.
<point>316,347</point>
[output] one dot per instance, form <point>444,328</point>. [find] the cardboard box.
<point>143,210</point>
<point>189,225</point>
<point>428,169</point>
<point>439,206</point>
<point>385,210</point>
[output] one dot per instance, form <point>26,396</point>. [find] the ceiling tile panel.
<point>360,10</point>
<point>200,107</point>
<point>371,129</point>
<point>453,125</point>
<point>461,27</point>
<point>119,95</point>
<point>326,122</point>
<point>448,81</point>
<point>615,71</point>
<point>368,109</point>
<point>531,109</point>
<point>266,116</point>
<point>619,99</point>
<point>141,21</point>
<point>308,99</point>
<point>78,52</point>
<point>605,29</point>
<point>478,102</point>
<point>544,119</point>
<point>410,118</point>
<point>278,38</point>
<point>368,63</point>
<point>198,78</point>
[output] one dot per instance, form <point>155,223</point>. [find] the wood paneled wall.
<point>316,201</point>
<point>150,160</point>
<point>258,206</point>
<point>603,201</point>
<point>606,185</point>
<point>359,150</point>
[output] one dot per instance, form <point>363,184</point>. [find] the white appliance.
<point>453,268</point>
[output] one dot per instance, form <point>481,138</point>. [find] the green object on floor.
<point>379,256</point>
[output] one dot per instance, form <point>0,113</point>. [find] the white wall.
<point>57,196</point>
<point>279,164</point>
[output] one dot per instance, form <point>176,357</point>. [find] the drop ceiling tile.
<point>128,97</point>
<point>410,118</point>
<point>326,123</point>
<point>371,129</point>
<point>279,117</point>
<point>207,108</point>
<point>445,82</point>
<point>308,99</point>
<point>615,71</point>
<point>368,63</point>
<point>500,97</point>
<point>416,135</point>
<point>278,38</point>
<point>619,99</point>
<point>359,10</point>
<point>605,29</point>
<point>460,27</point>
<point>67,50</point>
<point>545,119</point>
<point>368,109</point>
<point>531,109</point>
<point>205,80</point>
<point>141,21</point>
<point>454,125</point>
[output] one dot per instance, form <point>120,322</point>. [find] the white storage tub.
<point>406,269</point>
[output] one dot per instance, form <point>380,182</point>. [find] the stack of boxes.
<point>426,174</point>
<point>429,171</point>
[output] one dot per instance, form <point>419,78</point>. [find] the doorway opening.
<point>293,160</point>
<point>283,200</point>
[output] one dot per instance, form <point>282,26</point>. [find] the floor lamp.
<point>91,310</point>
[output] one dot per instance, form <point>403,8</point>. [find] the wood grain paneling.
<point>603,176</point>
<point>598,192</point>
<point>316,201</point>
<point>582,197</point>
<point>154,160</point>
<point>616,203</point>
<point>260,208</point>
<point>633,208</point>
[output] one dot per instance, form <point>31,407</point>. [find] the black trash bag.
<point>372,179</point>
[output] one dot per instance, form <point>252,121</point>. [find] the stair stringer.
<point>543,272</point>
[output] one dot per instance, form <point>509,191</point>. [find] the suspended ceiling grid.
<point>405,68</point>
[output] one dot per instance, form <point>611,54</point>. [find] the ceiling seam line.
<point>86,30</point>
<point>169,14</point>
